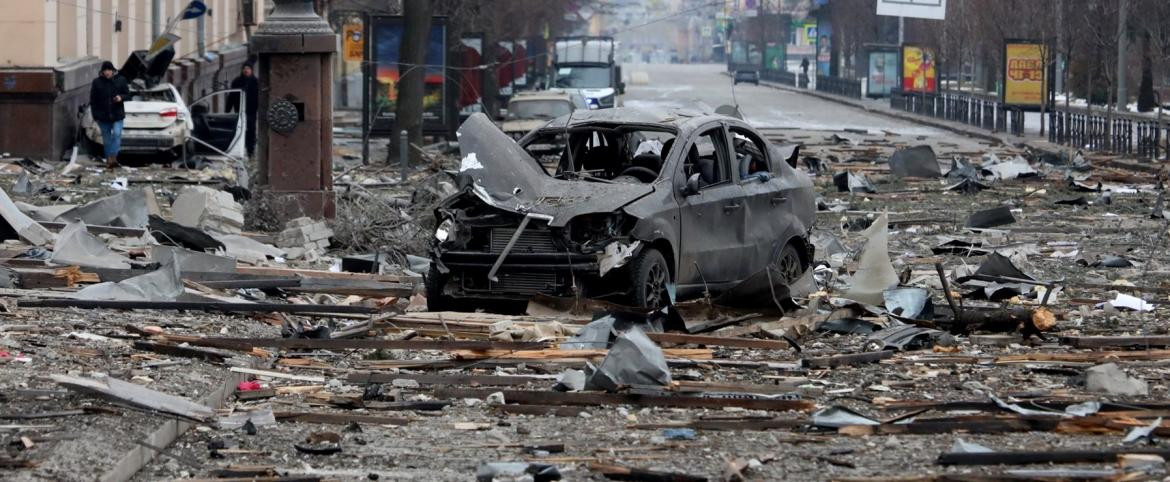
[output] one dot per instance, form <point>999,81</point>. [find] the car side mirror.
<point>621,88</point>
<point>764,176</point>
<point>692,186</point>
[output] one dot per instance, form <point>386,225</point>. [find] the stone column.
<point>295,117</point>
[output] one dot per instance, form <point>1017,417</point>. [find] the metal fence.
<point>779,76</point>
<point>973,110</point>
<point>1143,137</point>
<point>839,86</point>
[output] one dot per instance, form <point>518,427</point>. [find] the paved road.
<point>763,106</point>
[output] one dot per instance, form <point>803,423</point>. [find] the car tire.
<point>790,265</point>
<point>649,276</point>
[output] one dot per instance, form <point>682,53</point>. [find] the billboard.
<point>354,42</point>
<point>775,57</point>
<point>386,40</point>
<point>824,42</point>
<point>932,9</point>
<point>1024,79</point>
<point>883,72</point>
<point>469,56</point>
<point>919,69</point>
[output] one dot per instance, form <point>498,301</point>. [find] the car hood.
<point>502,174</point>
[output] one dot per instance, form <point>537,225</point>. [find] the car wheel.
<point>649,277</point>
<point>789,264</point>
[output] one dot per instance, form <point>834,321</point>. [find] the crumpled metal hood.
<point>504,175</point>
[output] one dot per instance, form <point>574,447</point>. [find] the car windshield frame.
<point>586,77</point>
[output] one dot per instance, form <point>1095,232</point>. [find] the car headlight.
<point>607,101</point>
<point>445,231</point>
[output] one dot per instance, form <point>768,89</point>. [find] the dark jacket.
<point>101,98</point>
<point>251,88</point>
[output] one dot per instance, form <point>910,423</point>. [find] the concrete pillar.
<point>295,129</point>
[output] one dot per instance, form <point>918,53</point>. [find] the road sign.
<point>932,9</point>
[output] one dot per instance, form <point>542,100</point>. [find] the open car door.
<point>218,123</point>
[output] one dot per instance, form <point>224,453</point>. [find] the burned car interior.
<point>630,206</point>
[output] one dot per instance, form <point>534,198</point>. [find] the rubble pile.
<point>949,334</point>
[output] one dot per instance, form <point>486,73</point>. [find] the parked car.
<point>632,206</point>
<point>529,110</point>
<point>159,122</point>
<point>750,76</point>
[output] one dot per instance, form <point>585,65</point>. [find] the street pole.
<point>901,30</point>
<point>1122,41</point>
<point>201,27</point>
<point>404,154</point>
<point>155,19</point>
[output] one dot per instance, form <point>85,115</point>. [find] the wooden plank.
<point>846,360</point>
<point>338,418</point>
<point>616,472</point>
<point>363,378</point>
<point>685,339</point>
<point>206,354</point>
<point>729,425</point>
<point>1045,457</point>
<point>1115,341</point>
<point>598,398</point>
<point>194,306</point>
<point>362,344</point>
<point>542,410</point>
<point>272,374</point>
<point>555,354</point>
<point>312,273</point>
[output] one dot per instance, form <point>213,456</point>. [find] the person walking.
<point>247,82</point>
<point>107,96</point>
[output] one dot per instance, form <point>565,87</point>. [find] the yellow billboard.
<point>1025,82</point>
<point>353,43</point>
<point>919,69</point>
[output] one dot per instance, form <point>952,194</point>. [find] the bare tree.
<point>412,73</point>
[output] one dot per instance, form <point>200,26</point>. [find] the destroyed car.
<point>159,121</point>
<point>625,204</point>
<point>529,110</point>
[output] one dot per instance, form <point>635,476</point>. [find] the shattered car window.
<point>625,155</point>
<point>749,153</point>
<point>707,157</point>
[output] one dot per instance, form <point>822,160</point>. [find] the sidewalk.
<point>882,107</point>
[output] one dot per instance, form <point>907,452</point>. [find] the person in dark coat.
<point>251,87</point>
<point>107,96</point>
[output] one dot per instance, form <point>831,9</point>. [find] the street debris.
<point>919,342</point>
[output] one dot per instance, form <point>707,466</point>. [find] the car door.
<point>712,218</point>
<point>765,197</point>
<point>217,128</point>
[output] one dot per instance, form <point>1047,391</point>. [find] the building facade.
<point>50,51</point>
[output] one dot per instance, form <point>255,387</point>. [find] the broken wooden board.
<point>525,397</point>
<point>136,395</point>
<point>846,360</point>
<point>557,354</point>
<point>338,418</point>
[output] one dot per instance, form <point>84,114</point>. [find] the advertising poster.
<point>387,38</point>
<point>1024,82</point>
<point>470,56</point>
<point>774,56</point>
<point>883,73</point>
<point>919,69</point>
<point>354,42</point>
<point>504,73</point>
<point>824,49</point>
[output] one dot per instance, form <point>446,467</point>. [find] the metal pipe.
<point>155,19</point>
<point>201,27</point>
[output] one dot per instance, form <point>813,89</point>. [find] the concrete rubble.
<point>304,238</point>
<point>206,208</point>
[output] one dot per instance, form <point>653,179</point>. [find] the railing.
<point>1143,137</point>
<point>839,86</point>
<point>973,110</point>
<point>779,76</point>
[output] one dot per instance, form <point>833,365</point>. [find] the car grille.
<point>532,240</point>
<point>530,283</point>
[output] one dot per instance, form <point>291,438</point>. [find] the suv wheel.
<point>649,277</point>
<point>789,264</point>
<point>436,300</point>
